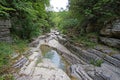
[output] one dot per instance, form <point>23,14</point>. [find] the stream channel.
<point>57,59</point>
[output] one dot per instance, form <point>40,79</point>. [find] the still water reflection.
<point>57,59</point>
<point>54,57</point>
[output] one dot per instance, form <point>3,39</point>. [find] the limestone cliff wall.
<point>5,26</point>
<point>110,34</point>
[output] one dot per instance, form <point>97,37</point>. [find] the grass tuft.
<point>6,51</point>
<point>88,40</point>
<point>96,62</point>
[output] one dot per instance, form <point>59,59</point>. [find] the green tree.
<point>29,17</point>
<point>94,11</point>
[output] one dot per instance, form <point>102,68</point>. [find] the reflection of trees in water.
<point>45,49</point>
<point>49,55</point>
<point>53,56</point>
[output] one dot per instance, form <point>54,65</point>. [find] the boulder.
<point>107,59</point>
<point>79,72</point>
<point>117,56</point>
<point>6,39</point>
<point>82,53</point>
<point>111,42</point>
<point>112,30</point>
<point>4,33</point>
<point>107,50</point>
<point>89,72</point>
<point>5,24</point>
<point>116,29</point>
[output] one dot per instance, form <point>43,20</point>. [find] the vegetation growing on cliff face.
<point>86,16</point>
<point>29,17</point>
<point>6,54</point>
<point>94,12</point>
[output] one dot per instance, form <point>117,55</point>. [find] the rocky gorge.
<point>64,40</point>
<point>98,63</point>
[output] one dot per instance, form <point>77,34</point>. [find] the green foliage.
<point>94,12</point>
<point>69,23</point>
<point>56,18</point>
<point>20,46</point>
<point>63,21</point>
<point>84,15</point>
<point>29,17</point>
<point>34,20</point>
<point>4,11</point>
<point>7,77</point>
<point>6,52</point>
<point>97,8</point>
<point>96,62</point>
<point>83,40</point>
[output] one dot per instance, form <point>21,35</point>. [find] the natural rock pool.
<point>55,57</point>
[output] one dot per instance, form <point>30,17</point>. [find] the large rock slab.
<point>117,56</point>
<point>46,70</point>
<point>4,33</point>
<point>5,23</point>
<point>112,30</point>
<point>79,72</point>
<point>111,42</point>
<point>90,72</point>
<point>5,26</point>
<point>6,39</point>
<point>82,53</point>
<point>107,50</point>
<point>105,57</point>
<point>39,68</point>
